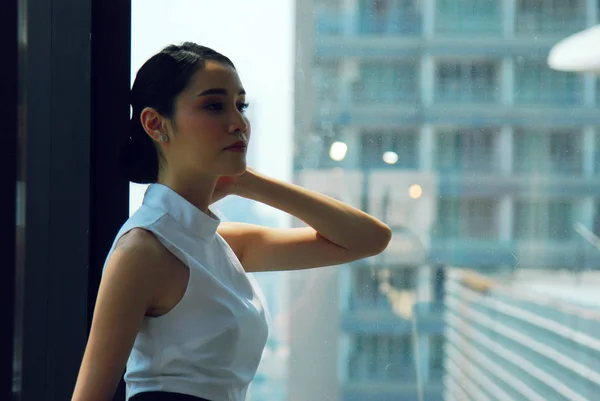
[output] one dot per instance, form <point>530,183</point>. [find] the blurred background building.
<point>443,118</point>
<point>532,338</point>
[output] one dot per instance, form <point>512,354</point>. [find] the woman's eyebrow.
<point>219,91</point>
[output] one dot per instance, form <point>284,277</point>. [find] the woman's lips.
<point>239,146</point>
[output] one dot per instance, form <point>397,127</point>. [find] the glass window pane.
<point>467,82</point>
<point>596,223</point>
<point>390,149</point>
<point>382,358</point>
<point>386,82</point>
<point>467,218</point>
<point>469,17</point>
<point>536,83</point>
<point>548,152</point>
<point>325,81</point>
<point>466,150</point>
<point>389,17</point>
<point>443,119</point>
<point>555,17</point>
<point>597,152</point>
<point>436,357</point>
<point>543,220</point>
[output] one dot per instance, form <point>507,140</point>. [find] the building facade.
<point>456,100</point>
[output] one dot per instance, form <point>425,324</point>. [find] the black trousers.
<point>162,396</point>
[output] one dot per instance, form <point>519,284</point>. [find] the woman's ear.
<point>152,122</point>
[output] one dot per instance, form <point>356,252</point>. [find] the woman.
<point>175,304</point>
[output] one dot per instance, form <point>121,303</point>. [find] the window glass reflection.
<point>443,118</point>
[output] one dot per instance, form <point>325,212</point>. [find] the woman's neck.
<point>196,190</point>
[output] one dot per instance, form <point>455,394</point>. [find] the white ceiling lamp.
<point>577,53</point>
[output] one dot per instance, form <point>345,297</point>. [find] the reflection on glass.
<point>463,92</point>
<point>445,118</point>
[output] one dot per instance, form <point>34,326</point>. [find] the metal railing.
<point>531,347</point>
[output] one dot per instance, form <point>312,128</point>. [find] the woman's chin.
<point>237,169</point>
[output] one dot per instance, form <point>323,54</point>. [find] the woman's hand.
<point>230,185</point>
<point>222,188</point>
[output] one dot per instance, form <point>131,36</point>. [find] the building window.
<point>596,226</point>
<point>467,219</point>
<point>325,82</point>
<point>366,292</point>
<point>328,22</point>
<point>313,150</point>
<point>402,279</point>
<point>536,83</point>
<point>382,357</point>
<point>467,150</point>
<point>387,82</point>
<point>392,149</point>
<point>466,82</point>
<point>436,357</point>
<point>553,152</point>
<point>325,160</point>
<point>439,284</point>
<point>543,220</point>
<point>597,152</point>
<point>554,17</point>
<point>329,4</point>
<point>389,17</point>
<point>468,17</point>
<point>366,289</point>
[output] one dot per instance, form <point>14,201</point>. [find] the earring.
<point>163,138</point>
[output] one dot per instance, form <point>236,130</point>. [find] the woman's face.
<point>209,119</point>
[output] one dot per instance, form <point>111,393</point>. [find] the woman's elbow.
<point>378,240</point>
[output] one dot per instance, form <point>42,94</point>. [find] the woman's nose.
<point>239,124</point>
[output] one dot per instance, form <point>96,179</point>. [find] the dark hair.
<point>157,84</point>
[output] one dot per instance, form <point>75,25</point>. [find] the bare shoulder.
<point>140,241</point>
<point>142,247</point>
<point>130,286</point>
<point>140,258</point>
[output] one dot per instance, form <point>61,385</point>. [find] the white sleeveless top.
<point>210,344</point>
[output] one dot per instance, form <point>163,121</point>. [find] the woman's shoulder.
<point>144,216</point>
<point>138,239</point>
<point>140,249</point>
<point>143,219</point>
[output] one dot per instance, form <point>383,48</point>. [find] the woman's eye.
<point>214,107</point>
<point>243,106</point>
